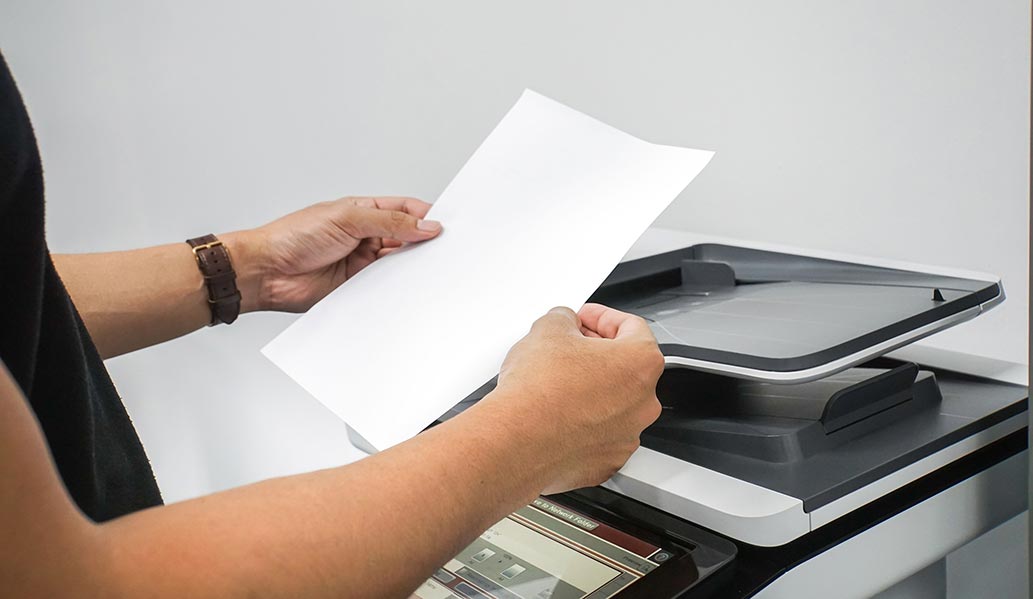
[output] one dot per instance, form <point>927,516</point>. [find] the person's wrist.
<point>529,437</point>
<point>247,251</point>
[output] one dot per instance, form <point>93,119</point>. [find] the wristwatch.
<point>213,259</point>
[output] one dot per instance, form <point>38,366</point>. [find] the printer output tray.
<point>777,317</point>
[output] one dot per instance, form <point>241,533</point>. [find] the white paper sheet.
<point>537,218</point>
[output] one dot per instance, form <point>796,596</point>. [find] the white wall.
<point>895,129</point>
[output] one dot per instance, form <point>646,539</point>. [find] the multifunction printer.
<point>789,428</point>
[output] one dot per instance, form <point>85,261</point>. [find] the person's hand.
<point>583,387</point>
<point>293,262</point>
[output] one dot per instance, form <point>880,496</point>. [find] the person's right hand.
<point>584,387</point>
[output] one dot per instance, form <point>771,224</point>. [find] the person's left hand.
<point>295,261</point>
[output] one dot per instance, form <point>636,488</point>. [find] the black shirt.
<point>48,350</point>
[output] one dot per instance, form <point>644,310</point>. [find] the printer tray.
<point>785,318</point>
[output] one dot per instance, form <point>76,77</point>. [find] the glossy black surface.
<point>696,553</point>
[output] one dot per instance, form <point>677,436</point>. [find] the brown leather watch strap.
<point>214,261</point>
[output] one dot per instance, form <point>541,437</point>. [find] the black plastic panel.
<point>839,467</point>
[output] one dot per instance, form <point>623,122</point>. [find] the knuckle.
<point>399,218</point>
<point>657,362</point>
<point>541,322</point>
<point>650,359</point>
<point>340,205</point>
<point>348,212</point>
<point>653,410</point>
<point>552,319</point>
<point>646,366</point>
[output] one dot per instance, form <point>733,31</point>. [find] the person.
<point>80,512</point>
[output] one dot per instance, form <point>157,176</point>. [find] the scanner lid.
<point>779,317</point>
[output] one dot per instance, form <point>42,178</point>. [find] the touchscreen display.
<point>545,551</point>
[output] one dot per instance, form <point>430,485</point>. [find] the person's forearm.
<point>137,298</point>
<point>134,299</point>
<point>376,528</point>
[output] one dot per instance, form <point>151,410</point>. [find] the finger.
<point>365,254</point>
<point>361,223</point>
<point>587,332</point>
<point>413,206</point>
<point>613,324</point>
<point>388,246</point>
<point>558,319</point>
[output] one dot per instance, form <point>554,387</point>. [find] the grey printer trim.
<point>869,493</point>
<point>722,503</point>
<point>760,516</point>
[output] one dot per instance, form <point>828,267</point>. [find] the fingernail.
<point>428,225</point>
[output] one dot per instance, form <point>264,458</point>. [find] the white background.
<point>892,129</point>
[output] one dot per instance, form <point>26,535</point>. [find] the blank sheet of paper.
<point>538,217</point>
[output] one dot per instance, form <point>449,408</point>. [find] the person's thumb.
<point>394,224</point>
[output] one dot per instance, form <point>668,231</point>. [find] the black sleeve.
<point>19,159</point>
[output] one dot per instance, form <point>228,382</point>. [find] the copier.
<point>806,448</point>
